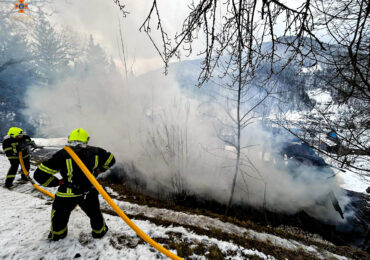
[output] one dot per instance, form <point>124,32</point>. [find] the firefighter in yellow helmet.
<point>74,188</point>
<point>13,143</point>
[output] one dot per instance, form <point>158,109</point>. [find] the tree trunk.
<point>238,120</point>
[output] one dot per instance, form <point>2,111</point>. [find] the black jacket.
<point>12,146</point>
<point>75,182</point>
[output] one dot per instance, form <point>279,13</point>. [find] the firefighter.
<point>74,187</point>
<point>13,143</point>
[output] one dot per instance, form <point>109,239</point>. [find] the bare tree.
<point>257,23</point>
<point>345,75</point>
<point>168,144</point>
<point>234,50</point>
<point>233,33</point>
<point>347,64</point>
<point>347,23</point>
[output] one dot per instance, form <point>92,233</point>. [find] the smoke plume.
<point>173,139</point>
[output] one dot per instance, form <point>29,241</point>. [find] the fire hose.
<point>25,172</point>
<point>107,198</point>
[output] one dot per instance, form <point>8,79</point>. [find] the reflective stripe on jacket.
<point>75,182</point>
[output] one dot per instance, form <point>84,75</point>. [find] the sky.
<point>102,19</point>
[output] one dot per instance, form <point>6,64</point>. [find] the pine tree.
<point>16,74</point>
<point>51,51</point>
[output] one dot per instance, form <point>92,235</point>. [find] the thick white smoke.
<point>172,140</point>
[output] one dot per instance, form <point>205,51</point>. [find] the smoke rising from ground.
<point>171,139</point>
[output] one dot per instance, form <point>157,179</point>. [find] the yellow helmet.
<point>15,131</point>
<point>79,135</point>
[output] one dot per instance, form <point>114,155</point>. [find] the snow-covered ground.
<point>50,141</point>
<point>351,181</point>
<point>25,222</point>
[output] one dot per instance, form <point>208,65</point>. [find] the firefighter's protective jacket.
<point>12,146</point>
<point>75,182</point>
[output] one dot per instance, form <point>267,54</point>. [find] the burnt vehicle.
<point>295,155</point>
<point>354,228</point>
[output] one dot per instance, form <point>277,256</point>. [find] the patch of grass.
<point>130,195</point>
<point>214,253</point>
<point>187,248</point>
<point>199,248</point>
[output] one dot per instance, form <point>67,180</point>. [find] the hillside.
<point>25,218</point>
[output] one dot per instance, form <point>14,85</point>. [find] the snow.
<point>50,141</point>
<point>351,181</point>
<point>311,70</point>
<point>111,191</point>
<point>348,180</point>
<point>211,223</point>
<point>320,96</point>
<point>25,222</point>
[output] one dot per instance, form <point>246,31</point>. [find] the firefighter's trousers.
<point>62,208</point>
<point>14,165</point>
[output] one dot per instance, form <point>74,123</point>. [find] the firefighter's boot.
<point>55,236</point>
<point>100,233</point>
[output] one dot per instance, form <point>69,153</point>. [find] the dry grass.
<point>127,194</point>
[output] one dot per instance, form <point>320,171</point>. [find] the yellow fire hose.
<point>114,206</point>
<point>25,172</point>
